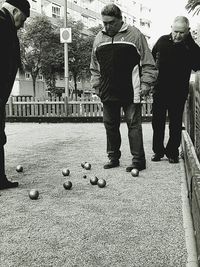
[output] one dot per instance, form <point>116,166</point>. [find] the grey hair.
<point>183,20</point>
<point>112,10</point>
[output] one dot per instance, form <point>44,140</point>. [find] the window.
<point>27,75</point>
<point>55,11</point>
<point>40,77</point>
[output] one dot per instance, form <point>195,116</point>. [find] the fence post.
<point>66,106</point>
<point>10,103</point>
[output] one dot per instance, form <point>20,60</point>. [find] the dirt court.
<point>132,222</point>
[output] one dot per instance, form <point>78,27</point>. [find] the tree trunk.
<point>34,83</point>
<point>75,87</point>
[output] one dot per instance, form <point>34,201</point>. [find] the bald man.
<point>176,55</point>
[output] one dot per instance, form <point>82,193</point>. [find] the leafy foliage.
<point>192,5</point>
<point>42,52</point>
<point>38,43</point>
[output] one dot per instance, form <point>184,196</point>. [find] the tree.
<point>96,29</point>
<point>42,51</point>
<point>39,48</point>
<point>193,5</point>
<point>79,52</point>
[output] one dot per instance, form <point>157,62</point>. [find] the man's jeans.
<point>111,119</point>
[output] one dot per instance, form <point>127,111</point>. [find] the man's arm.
<point>195,52</point>
<point>149,71</point>
<point>95,71</point>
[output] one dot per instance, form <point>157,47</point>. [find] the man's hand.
<point>144,90</point>
<point>97,91</point>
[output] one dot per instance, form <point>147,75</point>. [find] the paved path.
<point>161,229</point>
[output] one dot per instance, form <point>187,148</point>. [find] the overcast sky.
<point>163,14</point>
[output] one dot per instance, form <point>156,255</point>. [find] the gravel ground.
<point>132,222</point>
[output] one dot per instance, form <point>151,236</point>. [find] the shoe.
<point>136,165</point>
<point>6,184</point>
<point>111,164</point>
<point>173,160</point>
<point>156,157</point>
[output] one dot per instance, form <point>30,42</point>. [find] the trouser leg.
<point>134,122</point>
<point>2,162</point>
<point>159,111</point>
<point>175,112</point>
<point>111,119</point>
<point>2,140</point>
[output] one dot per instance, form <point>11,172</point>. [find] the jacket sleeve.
<point>149,71</point>
<point>94,67</point>
<point>195,52</point>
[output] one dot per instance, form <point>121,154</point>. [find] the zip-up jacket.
<point>119,65</point>
<point>175,62</point>
<point>9,54</point>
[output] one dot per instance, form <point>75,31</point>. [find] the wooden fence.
<point>27,107</point>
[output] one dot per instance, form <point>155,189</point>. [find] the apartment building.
<point>135,12</point>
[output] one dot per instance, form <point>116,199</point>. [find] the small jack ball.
<point>84,176</point>
<point>94,180</point>
<point>134,172</point>
<point>67,185</point>
<point>101,183</point>
<point>87,166</point>
<point>83,164</point>
<point>19,168</point>
<point>33,194</point>
<point>65,172</point>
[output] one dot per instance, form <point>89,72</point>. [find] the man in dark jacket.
<point>123,70</point>
<point>176,55</point>
<point>12,17</point>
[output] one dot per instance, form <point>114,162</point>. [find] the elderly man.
<point>12,17</point>
<point>123,70</point>
<point>176,55</point>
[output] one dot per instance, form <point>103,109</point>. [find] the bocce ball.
<point>67,185</point>
<point>19,168</point>
<point>101,183</point>
<point>65,172</point>
<point>94,180</point>
<point>134,172</point>
<point>83,164</point>
<point>33,194</point>
<point>87,166</point>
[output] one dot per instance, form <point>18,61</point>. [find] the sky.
<point>163,14</point>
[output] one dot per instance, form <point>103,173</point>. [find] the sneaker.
<point>111,164</point>
<point>136,165</point>
<point>6,184</point>
<point>173,160</point>
<point>156,157</point>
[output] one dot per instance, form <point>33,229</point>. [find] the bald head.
<point>180,29</point>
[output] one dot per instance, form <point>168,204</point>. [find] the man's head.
<point>180,29</point>
<point>112,19</point>
<point>20,10</point>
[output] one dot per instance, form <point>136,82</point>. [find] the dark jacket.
<point>120,64</point>
<point>175,62</point>
<point>9,54</point>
